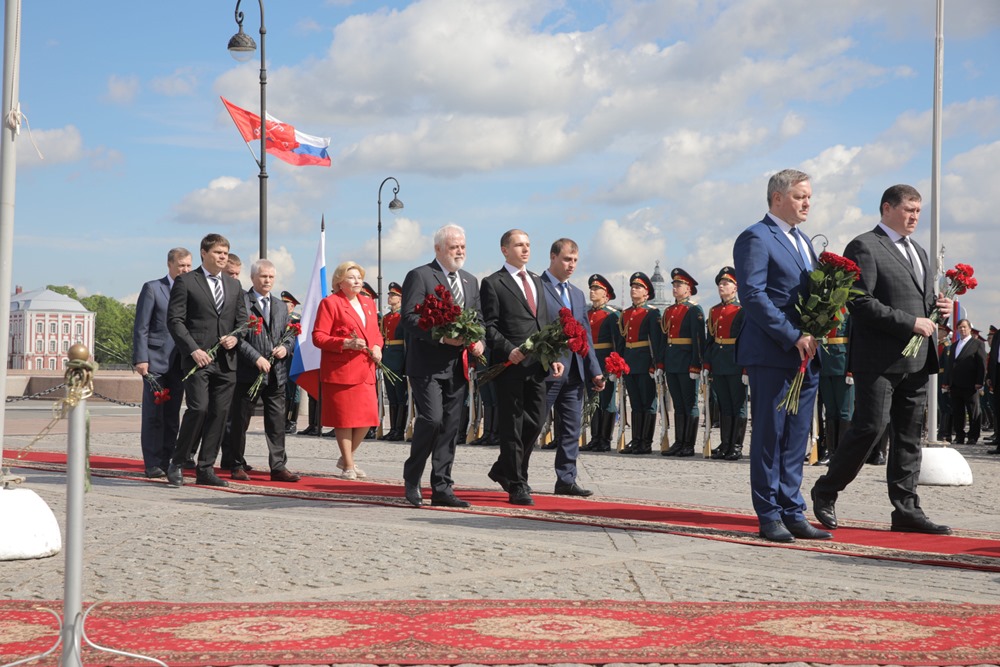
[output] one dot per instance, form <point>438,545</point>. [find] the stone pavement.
<point>148,541</point>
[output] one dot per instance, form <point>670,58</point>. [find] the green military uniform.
<point>680,357</point>
<point>604,332</point>
<point>637,327</point>
<point>835,390</point>
<point>394,358</point>
<point>725,320</point>
<point>944,401</point>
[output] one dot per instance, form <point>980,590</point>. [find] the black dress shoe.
<point>573,489</point>
<point>450,500</point>
<point>921,525</point>
<point>239,474</point>
<point>502,481</point>
<point>175,475</point>
<point>775,531</point>
<point>413,495</point>
<point>291,428</point>
<point>155,472</point>
<point>806,531</point>
<point>190,464</point>
<point>520,497</point>
<point>309,430</point>
<point>284,475</point>
<point>824,510</point>
<point>210,479</point>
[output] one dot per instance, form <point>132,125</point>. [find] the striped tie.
<point>217,292</point>
<point>456,288</point>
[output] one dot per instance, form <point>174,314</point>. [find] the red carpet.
<point>511,632</point>
<point>967,549</point>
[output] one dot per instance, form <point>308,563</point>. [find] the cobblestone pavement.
<point>148,541</point>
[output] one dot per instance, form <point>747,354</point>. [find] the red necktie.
<point>527,292</point>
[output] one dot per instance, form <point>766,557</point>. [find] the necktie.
<point>217,292</point>
<point>456,288</point>
<point>527,292</point>
<point>564,293</point>
<point>911,253</point>
<point>265,310</point>
<point>803,248</point>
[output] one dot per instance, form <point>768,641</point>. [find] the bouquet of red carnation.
<point>254,324</point>
<point>292,330</point>
<point>443,318</point>
<point>831,286</point>
<point>553,341</point>
<point>960,281</point>
<point>160,395</point>
<point>615,366</point>
<point>344,332</point>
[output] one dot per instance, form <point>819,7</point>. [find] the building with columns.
<point>43,326</point>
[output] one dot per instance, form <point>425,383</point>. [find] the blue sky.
<point>646,131</point>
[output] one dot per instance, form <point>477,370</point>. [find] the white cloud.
<point>122,89</point>
<point>180,83</point>
<point>59,146</point>
<point>635,243</point>
<point>402,241</point>
<point>228,201</point>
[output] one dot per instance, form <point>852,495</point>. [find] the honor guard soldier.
<point>370,292</point>
<point>836,386</point>
<point>683,327</point>
<point>603,320</point>
<point>394,358</point>
<point>725,320</point>
<point>637,327</point>
<point>291,389</point>
<point>944,366</point>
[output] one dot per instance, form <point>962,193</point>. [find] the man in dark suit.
<point>565,394</point>
<point>963,382</point>
<point>205,307</point>
<point>514,309</point>
<point>153,352</point>
<point>436,369</point>
<point>260,353</point>
<point>897,299</point>
<point>773,259</point>
<point>993,382</point>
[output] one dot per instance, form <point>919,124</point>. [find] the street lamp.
<point>242,47</point>
<point>394,205</point>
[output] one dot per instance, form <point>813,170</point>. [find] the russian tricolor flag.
<point>283,141</point>
<point>306,356</point>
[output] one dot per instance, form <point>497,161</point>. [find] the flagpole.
<point>932,384</point>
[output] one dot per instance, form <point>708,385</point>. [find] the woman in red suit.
<point>347,333</point>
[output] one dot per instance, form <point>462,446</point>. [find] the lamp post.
<point>394,205</point>
<point>242,48</point>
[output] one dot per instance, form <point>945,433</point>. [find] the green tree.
<point>112,326</point>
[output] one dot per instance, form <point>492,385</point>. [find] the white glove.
<point>694,376</point>
<point>849,380</point>
<point>745,379</point>
<point>659,374</point>
<point>704,374</point>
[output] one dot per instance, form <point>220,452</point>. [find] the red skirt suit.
<point>348,376</point>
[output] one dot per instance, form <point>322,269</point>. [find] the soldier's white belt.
<point>641,343</point>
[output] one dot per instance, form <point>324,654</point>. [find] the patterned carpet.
<point>516,631</point>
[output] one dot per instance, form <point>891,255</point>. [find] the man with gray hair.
<point>436,368</point>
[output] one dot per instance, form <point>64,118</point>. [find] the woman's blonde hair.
<point>341,272</point>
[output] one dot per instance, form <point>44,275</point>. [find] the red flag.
<point>280,136</point>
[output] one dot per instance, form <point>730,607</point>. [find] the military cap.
<point>396,288</point>
<point>685,277</point>
<point>598,279</point>
<point>643,279</point>
<point>993,329</point>
<point>726,273</point>
<point>942,325</point>
<point>369,291</point>
<point>287,297</point>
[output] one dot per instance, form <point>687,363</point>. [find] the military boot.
<point>680,421</point>
<point>726,437</point>
<point>635,442</point>
<point>739,431</point>
<point>606,433</point>
<point>690,436</point>
<point>595,430</point>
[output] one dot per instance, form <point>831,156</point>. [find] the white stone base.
<point>28,528</point>
<point>944,466</point>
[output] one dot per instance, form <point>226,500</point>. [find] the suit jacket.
<point>425,356</point>
<point>508,318</point>
<point>253,346</point>
<point>587,366</point>
<point>991,363</point>
<point>882,318</point>
<point>335,320</point>
<point>195,324</point>
<point>770,275</point>
<point>968,369</point>
<point>151,340</point>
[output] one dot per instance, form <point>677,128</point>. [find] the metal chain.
<point>116,401</point>
<point>14,399</point>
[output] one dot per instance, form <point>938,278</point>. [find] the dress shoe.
<point>175,475</point>
<point>240,474</point>
<point>921,525</point>
<point>413,495</point>
<point>211,479</point>
<point>573,489</point>
<point>520,497</point>
<point>332,433</point>
<point>155,472</point>
<point>310,430</point>
<point>994,451</point>
<point>358,472</point>
<point>284,476</point>
<point>973,442</point>
<point>449,500</point>
<point>877,458</point>
<point>291,428</point>
<point>190,464</point>
<point>824,510</point>
<point>246,466</point>
<point>550,445</point>
<point>775,531</point>
<point>502,481</point>
<point>806,531</point>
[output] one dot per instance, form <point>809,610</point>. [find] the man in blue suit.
<point>565,393</point>
<point>153,351</point>
<point>772,260</point>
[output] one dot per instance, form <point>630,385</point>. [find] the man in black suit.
<point>514,309</point>
<point>993,380</point>
<point>435,368</point>
<point>565,394</point>
<point>963,382</point>
<point>254,356</point>
<point>205,307</point>
<point>153,351</point>
<point>897,299</point>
